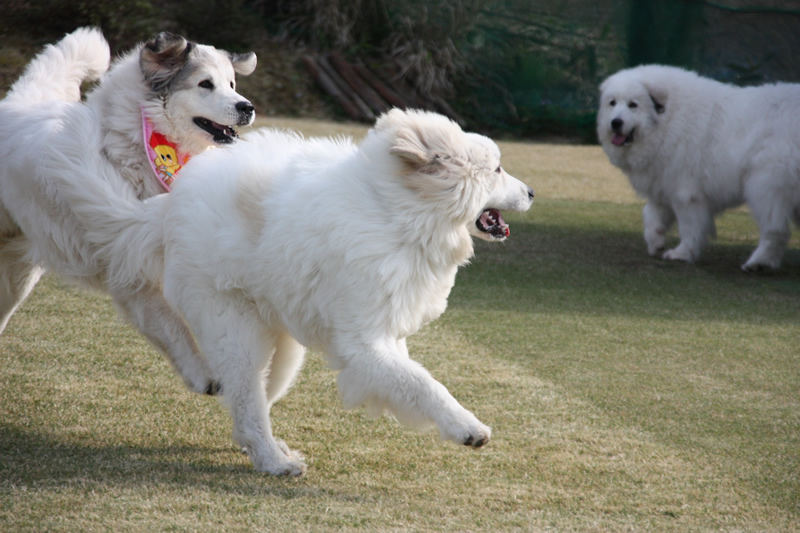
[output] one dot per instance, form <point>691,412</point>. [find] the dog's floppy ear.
<point>162,58</point>
<point>410,142</point>
<point>244,64</point>
<point>658,105</point>
<point>658,95</point>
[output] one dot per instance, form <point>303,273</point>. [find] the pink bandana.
<point>163,154</point>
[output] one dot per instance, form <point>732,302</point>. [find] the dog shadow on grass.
<point>31,460</point>
<point>560,268</point>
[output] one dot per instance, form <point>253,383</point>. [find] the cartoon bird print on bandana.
<point>164,156</point>
<point>166,161</point>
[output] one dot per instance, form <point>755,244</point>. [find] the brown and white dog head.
<point>192,91</point>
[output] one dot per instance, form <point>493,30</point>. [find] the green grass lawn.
<point>625,393</point>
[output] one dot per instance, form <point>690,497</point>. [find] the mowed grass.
<point>625,394</point>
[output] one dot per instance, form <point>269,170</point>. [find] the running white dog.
<point>278,243</point>
<point>181,94</point>
<point>695,147</point>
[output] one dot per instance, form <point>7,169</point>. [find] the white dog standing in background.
<point>279,242</point>
<point>183,91</point>
<point>694,147</point>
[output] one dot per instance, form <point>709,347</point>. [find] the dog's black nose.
<point>246,112</point>
<point>616,124</point>
<point>245,107</point>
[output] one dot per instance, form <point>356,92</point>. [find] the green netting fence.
<point>541,62</point>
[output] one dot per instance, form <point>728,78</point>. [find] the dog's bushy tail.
<point>129,236</point>
<point>126,233</point>
<point>59,70</point>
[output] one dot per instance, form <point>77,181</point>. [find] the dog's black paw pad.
<point>475,443</point>
<point>214,389</point>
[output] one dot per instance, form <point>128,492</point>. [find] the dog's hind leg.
<point>17,277</point>
<point>772,209</point>
<point>149,312</point>
<point>239,349</point>
<point>769,253</point>
<point>240,352</point>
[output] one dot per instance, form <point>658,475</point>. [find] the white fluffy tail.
<point>127,233</point>
<point>58,71</point>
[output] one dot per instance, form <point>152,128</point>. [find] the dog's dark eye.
<point>633,105</point>
<point>206,84</point>
<point>498,169</point>
<point>612,103</point>
<point>232,86</point>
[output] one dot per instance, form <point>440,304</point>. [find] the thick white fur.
<point>280,242</point>
<point>700,147</point>
<point>43,113</point>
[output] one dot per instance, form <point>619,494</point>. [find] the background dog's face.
<point>459,171</point>
<point>197,86</point>
<point>628,109</point>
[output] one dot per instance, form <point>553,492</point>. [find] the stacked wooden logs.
<point>364,93</point>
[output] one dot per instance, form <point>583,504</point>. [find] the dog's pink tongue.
<point>618,139</point>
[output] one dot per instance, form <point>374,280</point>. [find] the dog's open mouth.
<point>222,134</point>
<point>491,222</point>
<point>618,139</point>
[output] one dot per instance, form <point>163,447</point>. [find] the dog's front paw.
<point>679,254</point>
<point>656,241</point>
<point>473,434</point>
<point>476,441</point>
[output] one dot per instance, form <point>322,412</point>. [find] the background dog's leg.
<point>147,309</point>
<point>695,225</point>
<point>772,209</point>
<point>658,219</point>
<point>771,246</point>
<point>17,277</point>
<point>384,376</point>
